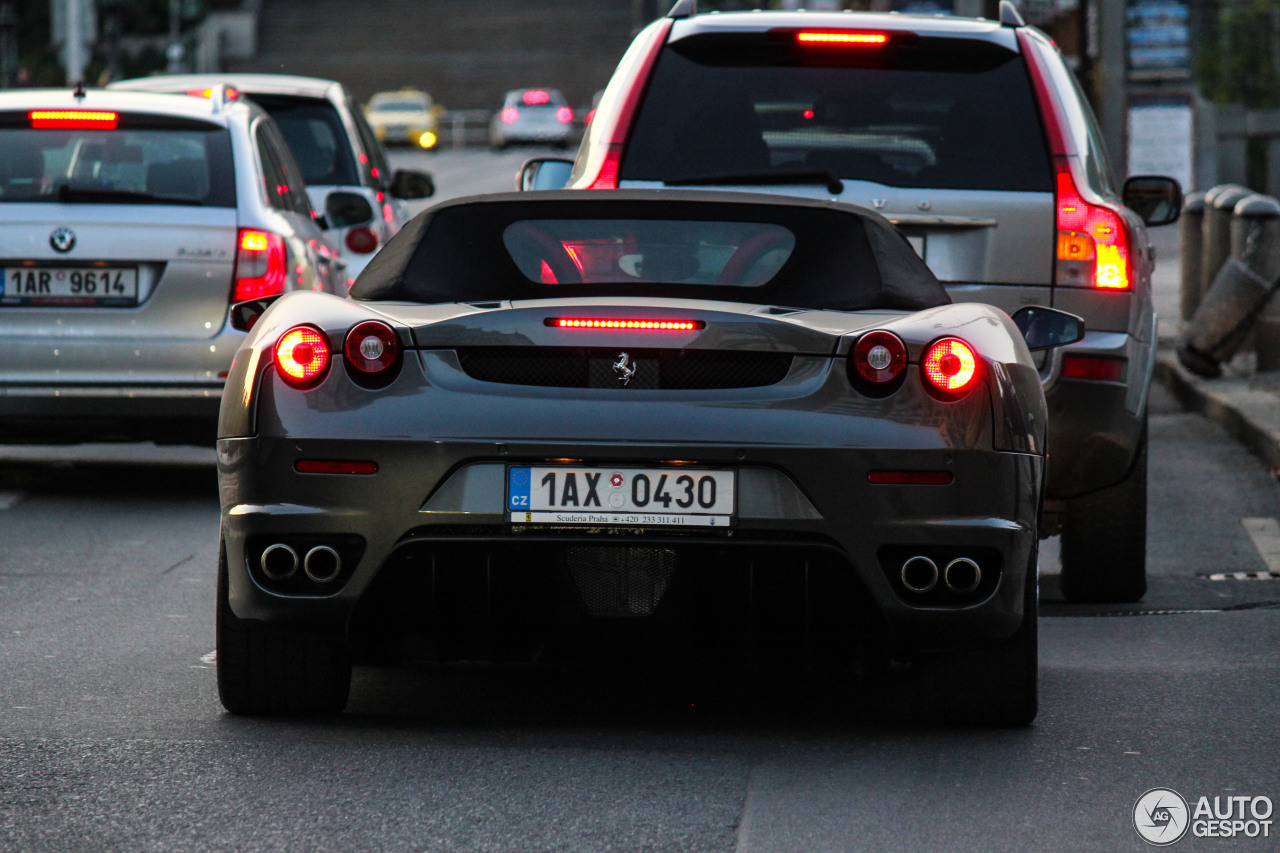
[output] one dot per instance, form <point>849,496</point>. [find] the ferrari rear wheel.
<point>265,670</point>
<point>986,687</point>
<point>1104,539</point>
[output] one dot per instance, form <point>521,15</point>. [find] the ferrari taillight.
<point>371,348</point>
<point>302,357</point>
<point>1093,241</point>
<point>879,359</point>
<point>949,367</point>
<point>261,265</point>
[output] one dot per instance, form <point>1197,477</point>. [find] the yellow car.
<point>405,117</point>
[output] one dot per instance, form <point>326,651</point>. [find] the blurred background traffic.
<point>1187,88</point>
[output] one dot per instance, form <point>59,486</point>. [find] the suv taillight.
<point>1093,241</point>
<point>261,265</point>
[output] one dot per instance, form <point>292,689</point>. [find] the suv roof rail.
<point>684,9</point>
<point>1009,15</point>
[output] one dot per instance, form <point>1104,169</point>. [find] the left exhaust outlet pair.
<point>280,562</point>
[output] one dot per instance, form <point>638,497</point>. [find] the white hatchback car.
<point>333,145</point>
<point>129,223</point>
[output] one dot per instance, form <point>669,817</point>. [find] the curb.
<point>1250,415</point>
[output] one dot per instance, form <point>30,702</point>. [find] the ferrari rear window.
<point>627,251</point>
<point>940,113</point>
<point>130,160</point>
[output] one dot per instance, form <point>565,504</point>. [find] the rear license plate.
<point>112,286</point>
<point>690,497</point>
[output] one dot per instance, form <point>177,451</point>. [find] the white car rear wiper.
<point>68,194</point>
<point>807,176</point>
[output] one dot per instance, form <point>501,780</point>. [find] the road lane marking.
<point>8,499</point>
<point>1265,533</point>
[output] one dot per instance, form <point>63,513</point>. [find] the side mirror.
<point>1043,328</point>
<point>344,209</point>
<point>1157,199</point>
<point>245,314</point>
<point>409,185</point>
<point>544,173</point>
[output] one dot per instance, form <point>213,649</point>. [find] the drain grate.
<point>1242,576</point>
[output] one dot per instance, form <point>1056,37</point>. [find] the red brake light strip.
<point>72,119</point>
<point>853,39</point>
<point>646,325</point>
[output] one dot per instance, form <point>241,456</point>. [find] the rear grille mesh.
<point>620,582</point>
<point>655,369</point>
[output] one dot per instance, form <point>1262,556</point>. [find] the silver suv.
<point>129,223</point>
<point>333,145</point>
<point>974,139</point>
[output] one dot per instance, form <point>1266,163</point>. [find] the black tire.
<point>1104,539</point>
<point>265,670</point>
<point>996,686</point>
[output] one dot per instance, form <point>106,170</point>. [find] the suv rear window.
<point>142,159</point>
<point>921,112</point>
<point>316,138</point>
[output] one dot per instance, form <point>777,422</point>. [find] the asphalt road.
<point>112,738</point>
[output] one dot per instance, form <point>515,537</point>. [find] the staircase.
<point>466,53</point>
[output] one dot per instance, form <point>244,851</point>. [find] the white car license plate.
<point>68,285</point>
<point>691,497</point>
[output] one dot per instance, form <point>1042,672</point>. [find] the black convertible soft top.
<point>845,258</point>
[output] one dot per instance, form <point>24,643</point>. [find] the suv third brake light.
<point>261,267</point>
<point>843,39</point>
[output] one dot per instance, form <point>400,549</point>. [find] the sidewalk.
<point>1244,403</point>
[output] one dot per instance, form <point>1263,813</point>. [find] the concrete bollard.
<point>1243,286</point>
<point>1255,239</point>
<point>1190,239</point>
<point>1215,247</point>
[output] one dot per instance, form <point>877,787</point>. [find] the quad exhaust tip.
<point>279,562</point>
<point>322,564</point>
<point>962,575</point>
<point>920,574</point>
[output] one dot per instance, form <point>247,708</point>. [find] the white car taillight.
<point>261,266</point>
<point>1093,241</point>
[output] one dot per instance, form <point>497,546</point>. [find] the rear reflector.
<point>1091,367</point>
<point>72,120</point>
<point>334,466</point>
<point>910,478</point>
<point>656,325</point>
<point>362,240</point>
<point>844,38</point>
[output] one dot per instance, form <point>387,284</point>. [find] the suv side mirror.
<point>410,185</point>
<point>1043,328</point>
<point>344,209</point>
<point>245,314</point>
<point>1157,199</point>
<point>544,173</point>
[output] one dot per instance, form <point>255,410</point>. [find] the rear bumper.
<point>810,527</point>
<point>70,414</point>
<point>1095,426</point>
